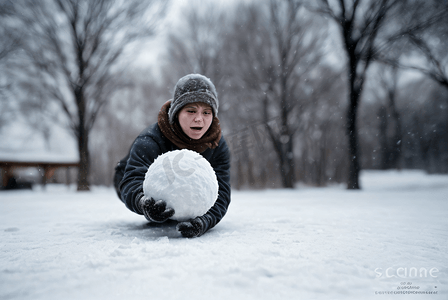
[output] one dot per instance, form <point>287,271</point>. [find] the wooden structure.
<point>8,167</point>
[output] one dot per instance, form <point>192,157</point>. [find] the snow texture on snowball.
<point>185,180</point>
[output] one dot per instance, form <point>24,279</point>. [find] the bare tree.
<point>197,43</point>
<point>427,37</point>
<point>274,56</point>
<point>72,55</point>
<point>362,26</point>
<point>422,42</point>
<point>10,42</point>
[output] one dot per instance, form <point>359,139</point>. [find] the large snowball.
<point>185,180</point>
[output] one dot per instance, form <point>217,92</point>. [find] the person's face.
<point>195,119</point>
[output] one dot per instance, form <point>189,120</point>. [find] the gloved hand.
<point>155,211</point>
<point>194,227</point>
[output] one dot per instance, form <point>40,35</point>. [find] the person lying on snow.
<point>188,121</point>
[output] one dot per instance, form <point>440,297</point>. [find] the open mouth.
<point>196,128</point>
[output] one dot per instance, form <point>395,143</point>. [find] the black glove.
<point>194,227</point>
<point>155,211</point>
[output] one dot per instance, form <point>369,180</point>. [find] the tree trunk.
<point>353,176</point>
<point>397,137</point>
<point>285,150</point>
<point>83,174</point>
<point>283,145</point>
<point>384,143</point>
<point>83,142</point>
<point>287,163</point>
<point>352,131</point>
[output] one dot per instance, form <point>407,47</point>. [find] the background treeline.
<point>285,82</point>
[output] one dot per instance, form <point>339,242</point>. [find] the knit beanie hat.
<point>190,89</point>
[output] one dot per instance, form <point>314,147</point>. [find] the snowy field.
<point>306,243</point>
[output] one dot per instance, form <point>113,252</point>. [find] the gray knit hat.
<point>193,88</point>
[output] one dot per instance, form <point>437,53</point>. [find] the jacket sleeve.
<point>221,164</point>
<point>142,154</point>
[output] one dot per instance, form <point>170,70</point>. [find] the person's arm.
<point>142,154</point>
<point>221,165</point>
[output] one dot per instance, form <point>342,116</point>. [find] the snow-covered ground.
<point>306,243</point>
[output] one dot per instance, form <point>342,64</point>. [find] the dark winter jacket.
<point>146,148</point>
